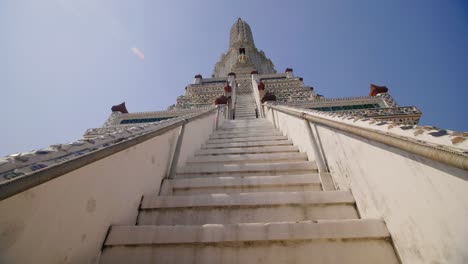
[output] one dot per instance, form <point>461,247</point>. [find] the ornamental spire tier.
<point>249,73</point>
<point>242,55</point>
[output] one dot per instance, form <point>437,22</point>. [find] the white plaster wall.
<point>296,130</point>
<point>66,219</point>
<point>424,203</point>
<point>256,93</point>
<point>196,134</point>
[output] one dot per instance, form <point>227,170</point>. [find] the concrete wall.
<point>294,128</point>
<point>196,134</point>
<point>66,219</point>
<point>424,202</point>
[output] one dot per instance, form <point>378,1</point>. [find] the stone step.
<point>264,168</point>
<point>259,126</point>
<point>249,158</point>
<point>245,107</point>
<point>195,186</point>
<point>239,115</point>
<point>324,241</point>
<point>257,130</point>
<point>263,120</point>
<point>243,174</point>
<point>152,202</point>
<point>247,118</point>
<point>248,144</point>
<point>247,134</point>
<point>247,122</point>
<point>248,126</point>
<point>245,139</point>
<point>246,208</point>
<point>245,112</point>
<point>252,150</point>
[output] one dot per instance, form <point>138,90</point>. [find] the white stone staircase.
<point>245,107</point>
<point>249,196</point>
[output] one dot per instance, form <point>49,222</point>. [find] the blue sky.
<point>64,63</point>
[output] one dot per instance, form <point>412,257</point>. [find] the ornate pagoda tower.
<point>248,166</point>
<point>233,74</point>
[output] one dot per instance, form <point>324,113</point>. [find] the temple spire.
<point>242,55</point>
<point>240,35</point>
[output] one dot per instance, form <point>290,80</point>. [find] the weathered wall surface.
<point>66,219</point>
<point>423,202</point>
<point>295,129</point>
<point>196,134</point>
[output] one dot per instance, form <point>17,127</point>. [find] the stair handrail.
<point>421,148</point>
<point>233,84</point>
<point>256,93</point>
<point>35,178</point>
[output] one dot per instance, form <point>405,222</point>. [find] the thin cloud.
<point>137,52</point>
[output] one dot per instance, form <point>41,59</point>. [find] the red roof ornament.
<point>221,100</point>
<point>375,90</point>
<point>227,88</point>
<point>261,86</point>
<point>288,70</point>
<point>120,108</point>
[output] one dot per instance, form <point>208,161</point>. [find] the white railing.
<point>415,178</point>
<point>256,94</point>
<point>233,84</point>
<point>72,205</point>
